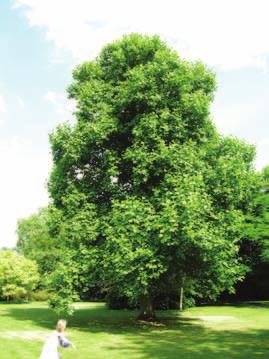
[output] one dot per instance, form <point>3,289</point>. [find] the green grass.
<point>224,332</point>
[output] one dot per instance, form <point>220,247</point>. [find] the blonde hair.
<point>61,325</point>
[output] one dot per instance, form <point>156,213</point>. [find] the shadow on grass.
<point>87,319</point>
<point>198,344</point>
<point>252,304</point>
<point>173,337</point>
<point>42,317</point>
<point>248,304</point>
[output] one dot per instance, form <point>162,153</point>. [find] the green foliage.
<point>36,243</point>
<point>42,295</point>
<point>18,276</point>
<point>148,194</point>
<point>62,282</point>
<point>255,242</point>
<point>256,228</point>
<point>262,211</point>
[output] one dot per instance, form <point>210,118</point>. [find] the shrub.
<point>18,276</point>
<point>41,295</point>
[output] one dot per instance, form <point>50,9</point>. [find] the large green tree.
<point>149,196</point>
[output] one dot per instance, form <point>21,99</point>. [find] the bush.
<point>116,301</point>
<point>41,296</point>
<point>18,276</point>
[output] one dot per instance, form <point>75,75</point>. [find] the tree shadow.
<point>87,319</point>
<point>239,304</point>
<point>251,304</point>
<point>42,317</point>
<point>174,336</point>
<point>198,344</point>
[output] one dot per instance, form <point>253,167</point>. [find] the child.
<point>62,340</point>
<point>57,338</point>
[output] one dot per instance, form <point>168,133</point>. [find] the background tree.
<point>36,243</point>
<point>255,243</point>
<point>149,195</point>
<point>263,201</point>
<point>18,275</point>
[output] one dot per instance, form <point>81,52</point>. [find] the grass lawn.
<point>225,332</point>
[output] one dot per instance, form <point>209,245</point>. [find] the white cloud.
<point>51,96</point>
<point>262,153</point>
<point>2,105</point>
<point>71,106</point>
<point>20,102</point>
<point>223,33</point>
<point>22,185</point>
<point>226,33</point>
<point>63,106</point>
<point>242,121</point>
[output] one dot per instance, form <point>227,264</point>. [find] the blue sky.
<point>42,40</point>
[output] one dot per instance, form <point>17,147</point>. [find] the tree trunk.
<point>146,309</point>
<point>181,299</point>
<point>181,293</point>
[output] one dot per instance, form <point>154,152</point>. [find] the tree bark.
<point>181,299</point>
<point>181,293</point>
<point>146,309</point>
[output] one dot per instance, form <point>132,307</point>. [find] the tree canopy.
<point>147,194</point>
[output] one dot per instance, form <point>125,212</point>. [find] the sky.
<point>41,41</point>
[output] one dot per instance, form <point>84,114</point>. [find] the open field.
<point>199,333</point>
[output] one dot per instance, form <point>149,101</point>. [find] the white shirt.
<point>50,348</point>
